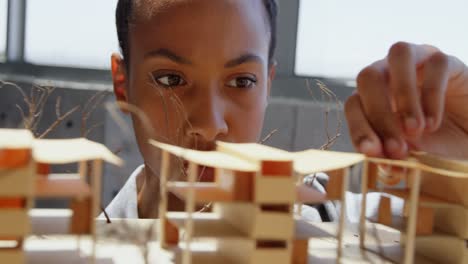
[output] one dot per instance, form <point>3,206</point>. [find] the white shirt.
<point>125,204</point>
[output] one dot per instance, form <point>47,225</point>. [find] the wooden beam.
<point>415,174</point>
<point>189,208</point>
<point>163,198</point>
<point>342,220</point>
<point>362,217</point>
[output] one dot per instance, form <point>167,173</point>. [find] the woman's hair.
<point>124,13</point>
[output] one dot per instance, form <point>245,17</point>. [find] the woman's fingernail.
<point>392,146</point>
<point>411,124</point>
<point>366,146</point>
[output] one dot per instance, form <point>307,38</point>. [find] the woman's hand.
<point>414,99</point>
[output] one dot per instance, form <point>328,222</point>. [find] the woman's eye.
<point>170,80</point>
<point>242,82</point>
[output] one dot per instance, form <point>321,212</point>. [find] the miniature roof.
<point>429,163</point>
<point>213,159</point>
<point>440,165</point>
<point>15,139</point>
<point>312,161</point>
<point>254,152</point>
<point>62,151</point>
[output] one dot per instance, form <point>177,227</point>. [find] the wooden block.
<point>274,190</point>
<point>273,255</point>
<point>17,182</point>
<point>171,233</point>
<point>243,186</point>
<point>80,221</point>
<point>450,189</point>
<point>238,183</point>
<point>277,168</point>
<point>13,256</point>
<point>334,186</point>
<point>255,223</point>
<point>241,216</point>
<point>43,169</point>
<point>385,211</point>
<point>266,225</point>
<point>12,203</point>
<point>14,223</point>
<point>14,158</point>
<point>425,221</point>
<point>452,220</point>
<point>235,250</point>
<point>47,187</point>
<point>300,254</point>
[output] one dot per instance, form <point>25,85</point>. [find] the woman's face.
<point>199,70</point>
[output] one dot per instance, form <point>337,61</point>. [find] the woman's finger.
<point>374,94</point>
<point>435,82</point>
<point>364,139</point>
<point>403,86</point>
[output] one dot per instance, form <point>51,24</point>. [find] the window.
<point>73,33</point>
<point>3,28</point>
<point>338,38</point>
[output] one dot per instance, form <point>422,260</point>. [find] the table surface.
<point>114,245</point>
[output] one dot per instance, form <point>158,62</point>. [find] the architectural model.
<point>24,176</point>
<point>256,187</point>
<point>256,194</point>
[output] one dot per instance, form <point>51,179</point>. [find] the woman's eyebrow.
<point>168,54</point>
<point>248,57</point>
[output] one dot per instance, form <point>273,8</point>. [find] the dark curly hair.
<point>124,14</point>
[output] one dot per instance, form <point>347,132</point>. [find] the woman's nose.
<point>207,117</point>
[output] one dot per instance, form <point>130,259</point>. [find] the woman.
<point>201,71</point>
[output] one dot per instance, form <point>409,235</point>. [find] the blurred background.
<point>322,44</point>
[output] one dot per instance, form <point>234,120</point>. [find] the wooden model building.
<point>435,218</point>
<point>255,192</point>
<point>255,188</point>
<point>24,176</point>
<point>17,171</point>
